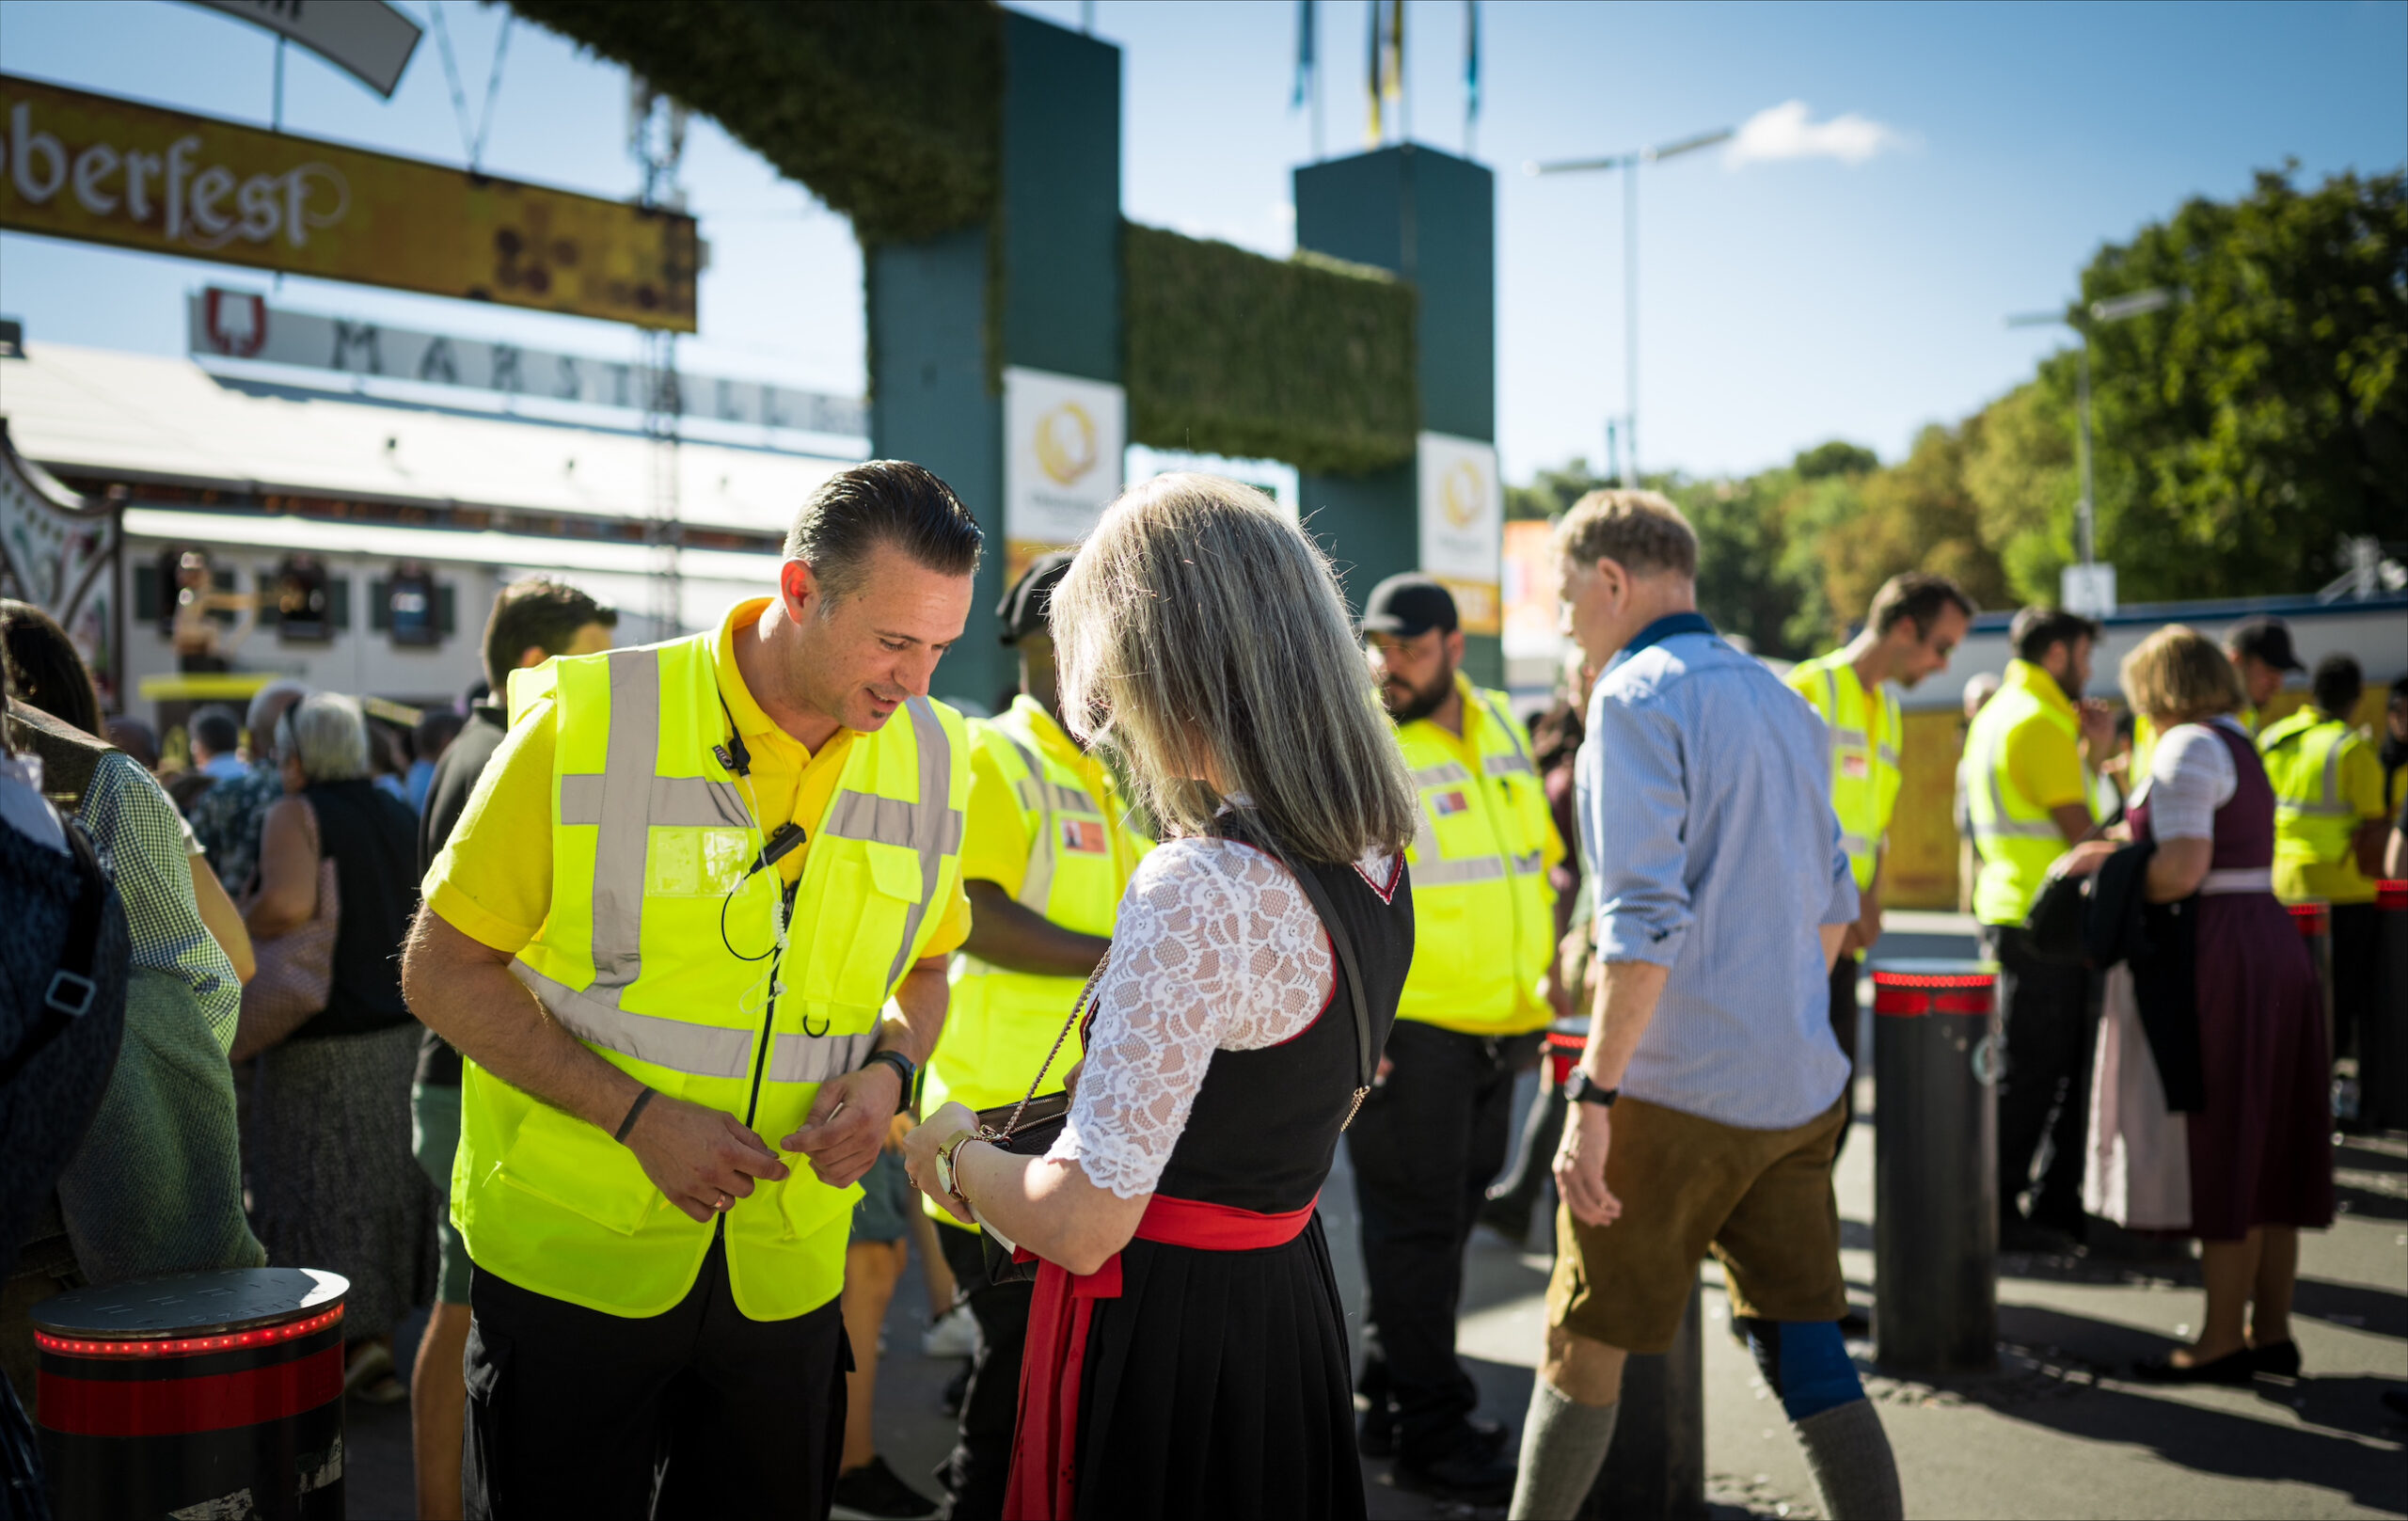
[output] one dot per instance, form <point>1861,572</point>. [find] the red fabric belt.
<point>1045,1449</point>
<point>175,1407</point>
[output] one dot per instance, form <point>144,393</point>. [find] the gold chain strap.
<point>1078,1005</point>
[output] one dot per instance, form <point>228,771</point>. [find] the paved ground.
<point>2057,1431</point>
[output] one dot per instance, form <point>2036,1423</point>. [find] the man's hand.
<point>846,1124</point>
<point>920,1155</point>
<point>1558,997</point>
<point>1581,1165</point>
<point>702,1158</point>
<point>1867,931</point>
<point>2083,859</point>
<point>2097,728</point>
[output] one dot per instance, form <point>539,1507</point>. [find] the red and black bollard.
<point>1937,1060</point>
<point>215,1394</point>
<point>2383,1038</point>
<point>2315,923</point>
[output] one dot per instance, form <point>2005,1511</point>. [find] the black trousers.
<point>2045,1094</point>
<point>1424,1148</point>
<point>1844,1012</point>
<point>696,1412</point>
<point>981,1459</point>
<point>2357,948</point>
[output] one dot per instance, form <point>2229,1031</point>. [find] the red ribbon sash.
<point>1045,1448</point>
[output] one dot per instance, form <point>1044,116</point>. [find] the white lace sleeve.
<point>2190,777</point>
<point>1216,948</point>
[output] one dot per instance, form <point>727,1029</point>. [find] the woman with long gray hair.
<point>1186,1353</point>
<point>332,1182</point>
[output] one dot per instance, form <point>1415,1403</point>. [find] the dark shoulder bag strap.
<point>1343,945</point>
<point>72,986</point>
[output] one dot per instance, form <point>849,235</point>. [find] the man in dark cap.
<point>1435,1132</point>
<point>2261,651</point>
<point>1047,850</point>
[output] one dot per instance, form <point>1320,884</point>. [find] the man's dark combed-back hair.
<point>883,501</point>
<point>539,612</point>
<point>2337,685</point>
<point>1917,595</point>
<point>217,727</point>
<point>2037,630</point>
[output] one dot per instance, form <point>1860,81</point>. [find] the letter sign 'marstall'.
<point>96,170</point>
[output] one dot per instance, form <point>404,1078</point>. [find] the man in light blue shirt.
<point>1722,892</point>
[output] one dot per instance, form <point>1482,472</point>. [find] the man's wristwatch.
<point>903,1069</point>
<point>944,1163</point>
<point>1580,1089</point>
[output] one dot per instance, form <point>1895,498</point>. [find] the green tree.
<point>2243,432</point>
<point>1918,514</point>
<point>1551,493</point>
<point>2022,473</point>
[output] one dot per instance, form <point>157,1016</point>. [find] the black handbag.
<point>1030,1126</point>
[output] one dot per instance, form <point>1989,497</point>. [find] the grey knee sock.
<point>1854,1471</point>
<point>1563,1445</point>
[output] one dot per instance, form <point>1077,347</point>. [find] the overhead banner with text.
<point>97,169</point>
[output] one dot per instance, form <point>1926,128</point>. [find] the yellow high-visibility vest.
<point>643,958</point>
<point>2314,820</point>
<point>1483,923</point>
<point>1865,773</point>
<point>2018,840</point>
<point>1000,1024</point>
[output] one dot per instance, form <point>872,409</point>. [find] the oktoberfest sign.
<point>97,169</point>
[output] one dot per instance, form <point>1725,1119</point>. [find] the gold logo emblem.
<point>1066,443</point>
<point>1463,494</point>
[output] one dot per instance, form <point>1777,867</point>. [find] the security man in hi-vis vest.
<point>2329,829</point>
<point>1915,621</point>
<point>662,934</point>
<point>1047,854</point>
<point>1435,1132</point>
<point>2028,798</point>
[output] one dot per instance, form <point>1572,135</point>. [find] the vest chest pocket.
<point>852,935</point>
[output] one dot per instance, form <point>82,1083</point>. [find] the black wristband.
<point>904,1070</point>
<point>633,1110</point>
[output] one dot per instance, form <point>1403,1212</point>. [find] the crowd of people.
<point>643,1015</point>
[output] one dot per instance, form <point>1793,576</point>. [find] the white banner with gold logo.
<point>1463,526</point>
<point>1064,439</point>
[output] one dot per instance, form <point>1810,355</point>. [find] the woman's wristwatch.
<point>947,1178</point>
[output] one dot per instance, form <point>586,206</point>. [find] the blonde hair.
<point>1639,531</point>
<point>2178,673</point>
<point>1200,632</point>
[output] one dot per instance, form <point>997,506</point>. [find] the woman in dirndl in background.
<point>2213,1117</point>
<point>1186,1352</point>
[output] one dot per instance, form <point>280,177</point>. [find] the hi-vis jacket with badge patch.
<point>639,959</point>
<point>1865,773</point>
<point>1000,1024</point>
<point>1483,917</point>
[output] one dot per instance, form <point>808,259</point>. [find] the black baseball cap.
<point>2268,638</point>
<point>1409,604</point>
<point>1025,606</point>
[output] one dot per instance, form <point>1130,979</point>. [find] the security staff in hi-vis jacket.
<point>1435,1132</point>
<point>664,933</point>
<point>1917,619</point>
<point>1047,853</point>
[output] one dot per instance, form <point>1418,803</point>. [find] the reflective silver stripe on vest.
<point>675,801</point>
<point>1508,765</point>
<point>2331,805</point>
<point>1856,844</point>
<point>1037,885</point>
<point>936,824</point>
<point>1889,757</point>
<point>1452,873</point>
<point>1526,864</point>
<point>797,1058</point>
<point>1999,826</point>
<point>1440,774</point>
<point>699,1050</point>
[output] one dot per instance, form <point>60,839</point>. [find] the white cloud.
<point>1783,132</point>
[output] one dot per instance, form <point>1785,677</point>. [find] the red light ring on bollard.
<point>2312,918</point>
<point>267,1336</point>
<point>1907,994</point>
<point>2391,895</point>
<point>1563,1054</point>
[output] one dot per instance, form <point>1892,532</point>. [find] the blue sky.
<point>1784,301</point>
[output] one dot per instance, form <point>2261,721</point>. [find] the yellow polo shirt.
<point>493,882</point>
